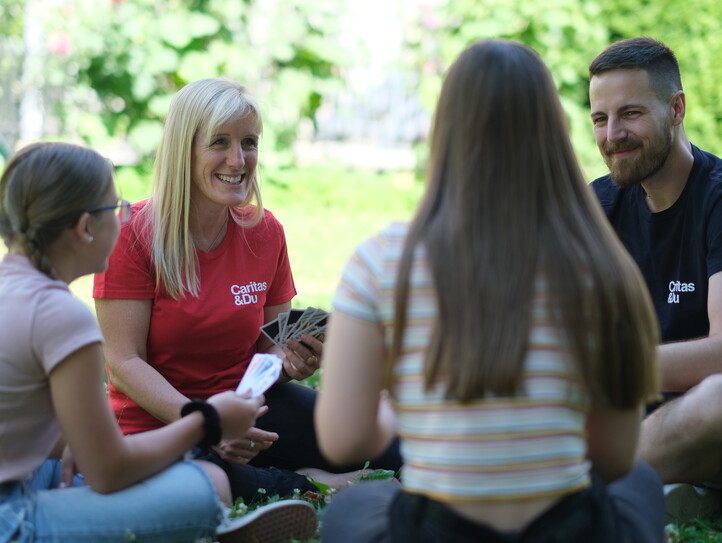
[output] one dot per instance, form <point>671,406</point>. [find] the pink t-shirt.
<point>201,345</point>
<point>41,324</point>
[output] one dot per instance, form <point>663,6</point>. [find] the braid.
<point>33,248</point>
<point>6,229</point>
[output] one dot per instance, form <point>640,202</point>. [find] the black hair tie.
<point>211,422</point>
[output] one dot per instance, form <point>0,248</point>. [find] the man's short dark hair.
<point>647,54</point>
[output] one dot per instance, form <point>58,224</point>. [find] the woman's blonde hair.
<point>199,107</point>
<point>505,202</point>
<point>44,190</point>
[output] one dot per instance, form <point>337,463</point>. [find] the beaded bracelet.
<point>211,422</point>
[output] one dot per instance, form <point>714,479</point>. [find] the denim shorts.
<point>176,505</point>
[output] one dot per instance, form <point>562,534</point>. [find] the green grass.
<point>701,530</point>
<point>326,212</point>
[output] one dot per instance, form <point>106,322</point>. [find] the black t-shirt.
<point>677,249</point>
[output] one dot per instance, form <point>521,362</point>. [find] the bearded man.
<point>663,197</point>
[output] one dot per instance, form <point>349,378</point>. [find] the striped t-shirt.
<point>498,448</point>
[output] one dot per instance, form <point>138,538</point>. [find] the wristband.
<point>211,422</point>
<point>285,373</point>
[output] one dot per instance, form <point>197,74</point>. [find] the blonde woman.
<point>198,269</point>
<point>513,333</point>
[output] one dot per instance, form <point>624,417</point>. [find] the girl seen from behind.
<point>503,333</point>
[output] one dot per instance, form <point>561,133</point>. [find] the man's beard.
<point>630,171</point>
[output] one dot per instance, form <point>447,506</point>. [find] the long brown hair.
<point>505,203</point>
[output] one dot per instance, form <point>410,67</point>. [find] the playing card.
<point>319,329</point>
<point>294,315</point>
<point>271,330</point>
<point>262,372</point>
<point>306,321</point>
<point>282,323</point>
<point>313,323</point>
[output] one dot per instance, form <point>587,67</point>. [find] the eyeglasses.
<point>123,207</point>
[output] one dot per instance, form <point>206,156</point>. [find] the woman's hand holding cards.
<point>303,356</point>
<point>299,333</point>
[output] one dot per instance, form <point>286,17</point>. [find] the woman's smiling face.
<point>223,164</point>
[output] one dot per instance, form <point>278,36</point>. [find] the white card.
<point>262,372</point>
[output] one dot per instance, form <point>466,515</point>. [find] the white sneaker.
<point>685,502</point>
<point>274,523</point>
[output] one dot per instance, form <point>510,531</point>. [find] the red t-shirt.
<point>201,345</point>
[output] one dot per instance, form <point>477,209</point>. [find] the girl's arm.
<point>612,436</point>
<point>108,460</point>
<point>353,423</point>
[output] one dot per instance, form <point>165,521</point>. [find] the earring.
<point>89,239</point>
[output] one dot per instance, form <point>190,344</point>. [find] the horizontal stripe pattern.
<point>524,447</point>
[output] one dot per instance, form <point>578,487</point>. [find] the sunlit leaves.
<point>179,28</point>
<point>125,58</point>
<point>568,34</point>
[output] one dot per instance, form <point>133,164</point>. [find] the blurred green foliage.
<point>568,34</point>
<point>113,65</point>
<point>110,67</point>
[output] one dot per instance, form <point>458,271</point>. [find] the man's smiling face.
<point>632,125</point>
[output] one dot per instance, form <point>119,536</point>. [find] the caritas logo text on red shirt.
<point>246,294</point>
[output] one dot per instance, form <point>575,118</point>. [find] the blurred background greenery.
<point>346,89</point>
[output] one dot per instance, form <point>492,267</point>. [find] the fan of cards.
<point>295,323</point>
